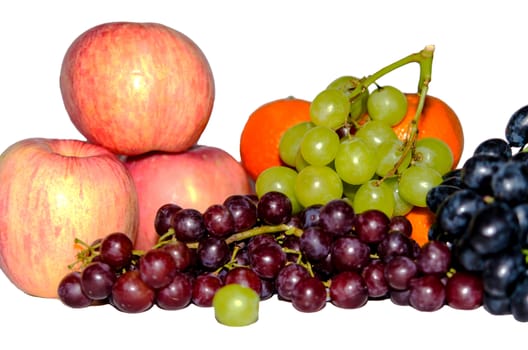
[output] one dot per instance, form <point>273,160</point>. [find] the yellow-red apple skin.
<point>51,192</point>
<point>137,87</point>
<point>197,178</point>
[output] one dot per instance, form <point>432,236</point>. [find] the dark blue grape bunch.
<point>482,213</point>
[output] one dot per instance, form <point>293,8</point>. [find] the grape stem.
<point>425,59</point>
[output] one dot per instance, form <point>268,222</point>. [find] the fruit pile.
<point>337,182</point>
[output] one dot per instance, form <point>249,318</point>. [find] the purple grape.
<point>177,294</point>
<point>267,260</point>
<point>427,293</point>
<point>478,171</point>
<point>400,297</point>
<point>189,225</point>
<point>464,291</point>
<point>315,243</point>
<point>288,277</point>
<point>97,279</point>
<point>213,252</point>
<point>502,271</point>
<point>394,244</point>
<point>434,258</point>
<point>374,276</point>
<point>371,226</point>
<point>400,223</point>
<point>244,276</point>
<point>181,254</point>
<point>116,250</point>
<point>348,290</point>
<point>399,271</point>
<point>244,211</point>
<point>519,300</point>
<point>157,268</point>
<point>495,147</point>
<point>310,215</point>
<point>218,220</point>
<point>336,217</point>
<point>274,208</point>
<point>130,294</point>
<point>349,253</point>
<point>164,217</point>
<point>510,183</point>
<point>71,293</point>
<point>309,295</point>
<point>204,288</point>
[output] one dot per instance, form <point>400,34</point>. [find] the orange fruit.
<point>437,120</point>
<point>260,138</point>
<point>421,219</point>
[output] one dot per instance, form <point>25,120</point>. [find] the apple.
<point>53,191</point>
<point>137,87</point>
<point>196,178</point>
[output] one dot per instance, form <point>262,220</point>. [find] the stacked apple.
<point>141,94</point>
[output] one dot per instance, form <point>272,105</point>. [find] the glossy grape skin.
<point>317,185</point>
<point>355,161</point>
<point>517,128</point>
<point>274,208</point>
<point>116,250</point>
<point>130,294</point>
<point>400,224</point>
<point>337,217</point>
<point>281,179</point>
<point>319,145</point>
<point>399,271</point>
<point>218,220</point>
<point>510,183</point>
<point>97,280</point>
<point>157,268</point>
<point>236,305</point>
<point>290,142</point>
<point>212,252</point>
<point>288,277</point>
<point>387,104</point>
<point>177,294</point>
<point>478,171</point>
<point>349,253</point>
<point>204,287</point>
<point>189,225</point>
<point>164,217</point>
<point>374,195</point>
<point>502,271</point>
<point>495,147</point>
<point>309,295</point>
<point>415,182</point>
<point>315,243</point>
<point>394,244</point>
<point>268,260</point>
<point>374,276</point>
<point>434,258</point>
<point>427,293</point>
<point>70,291</point>
<point>330,108</point>
<point>181,254</point>
<point>464,291</point>
<point>348,290</point>
<point>434,153</point>
<point>243,210</point>
<point>311,216</point>
<point>436,195</point>
<point>492,228</point>
<point>244,276</point>
<point>347,84</point>
<point>371,226</point>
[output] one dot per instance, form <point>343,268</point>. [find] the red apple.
<point>197,178</point>
<point>51,192</point>
<point>137,87</point>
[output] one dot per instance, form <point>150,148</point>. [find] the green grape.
<point>300,163</point>
<point>387,104</point>
<point>389,154</point>
<point>236,305</point>
<point>317,185</point>
<point>330,108</point>
<point>401,207</point>
<point>355,161</point>
<point>278,178</point>
<point>434,153</point>
<point>290,142</point>
<point>415,182</point>
<point>374,195</point>
<point>347,84</point>
<point>376,133</point>
<point>319,145</point>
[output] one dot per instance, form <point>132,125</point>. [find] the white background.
<point>261,51</point>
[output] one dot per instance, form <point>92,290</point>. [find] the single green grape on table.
<point>236,305</point>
